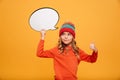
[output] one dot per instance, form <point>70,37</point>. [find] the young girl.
<point>66,54</point>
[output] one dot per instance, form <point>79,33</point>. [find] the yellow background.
<point>95,20</point>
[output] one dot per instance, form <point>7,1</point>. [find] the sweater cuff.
<point>41,40</point>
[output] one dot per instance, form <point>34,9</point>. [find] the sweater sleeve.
<point>44,53</point>
<point>88,58</point>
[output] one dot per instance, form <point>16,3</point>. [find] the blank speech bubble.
<point>44,19</point>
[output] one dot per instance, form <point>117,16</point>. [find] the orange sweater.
<point>65,64</point>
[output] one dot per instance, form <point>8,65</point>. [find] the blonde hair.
<point>61,47</point>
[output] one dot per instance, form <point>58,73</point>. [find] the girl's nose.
<point>66,36</point>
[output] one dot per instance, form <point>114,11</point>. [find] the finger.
<point>92,46</point>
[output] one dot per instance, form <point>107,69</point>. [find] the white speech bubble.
<point>44,19</point>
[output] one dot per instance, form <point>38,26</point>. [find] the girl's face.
<point>66,38</point>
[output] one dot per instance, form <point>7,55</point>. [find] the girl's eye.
<point>63,33</point>
<point>69,34</point>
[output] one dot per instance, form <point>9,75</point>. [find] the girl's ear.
<point>73,39</point>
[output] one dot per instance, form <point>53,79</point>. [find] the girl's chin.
<point>66,43</point>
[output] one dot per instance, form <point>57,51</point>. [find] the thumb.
<point>92,46</point>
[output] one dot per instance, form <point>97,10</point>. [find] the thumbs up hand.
<point>93,47</point>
